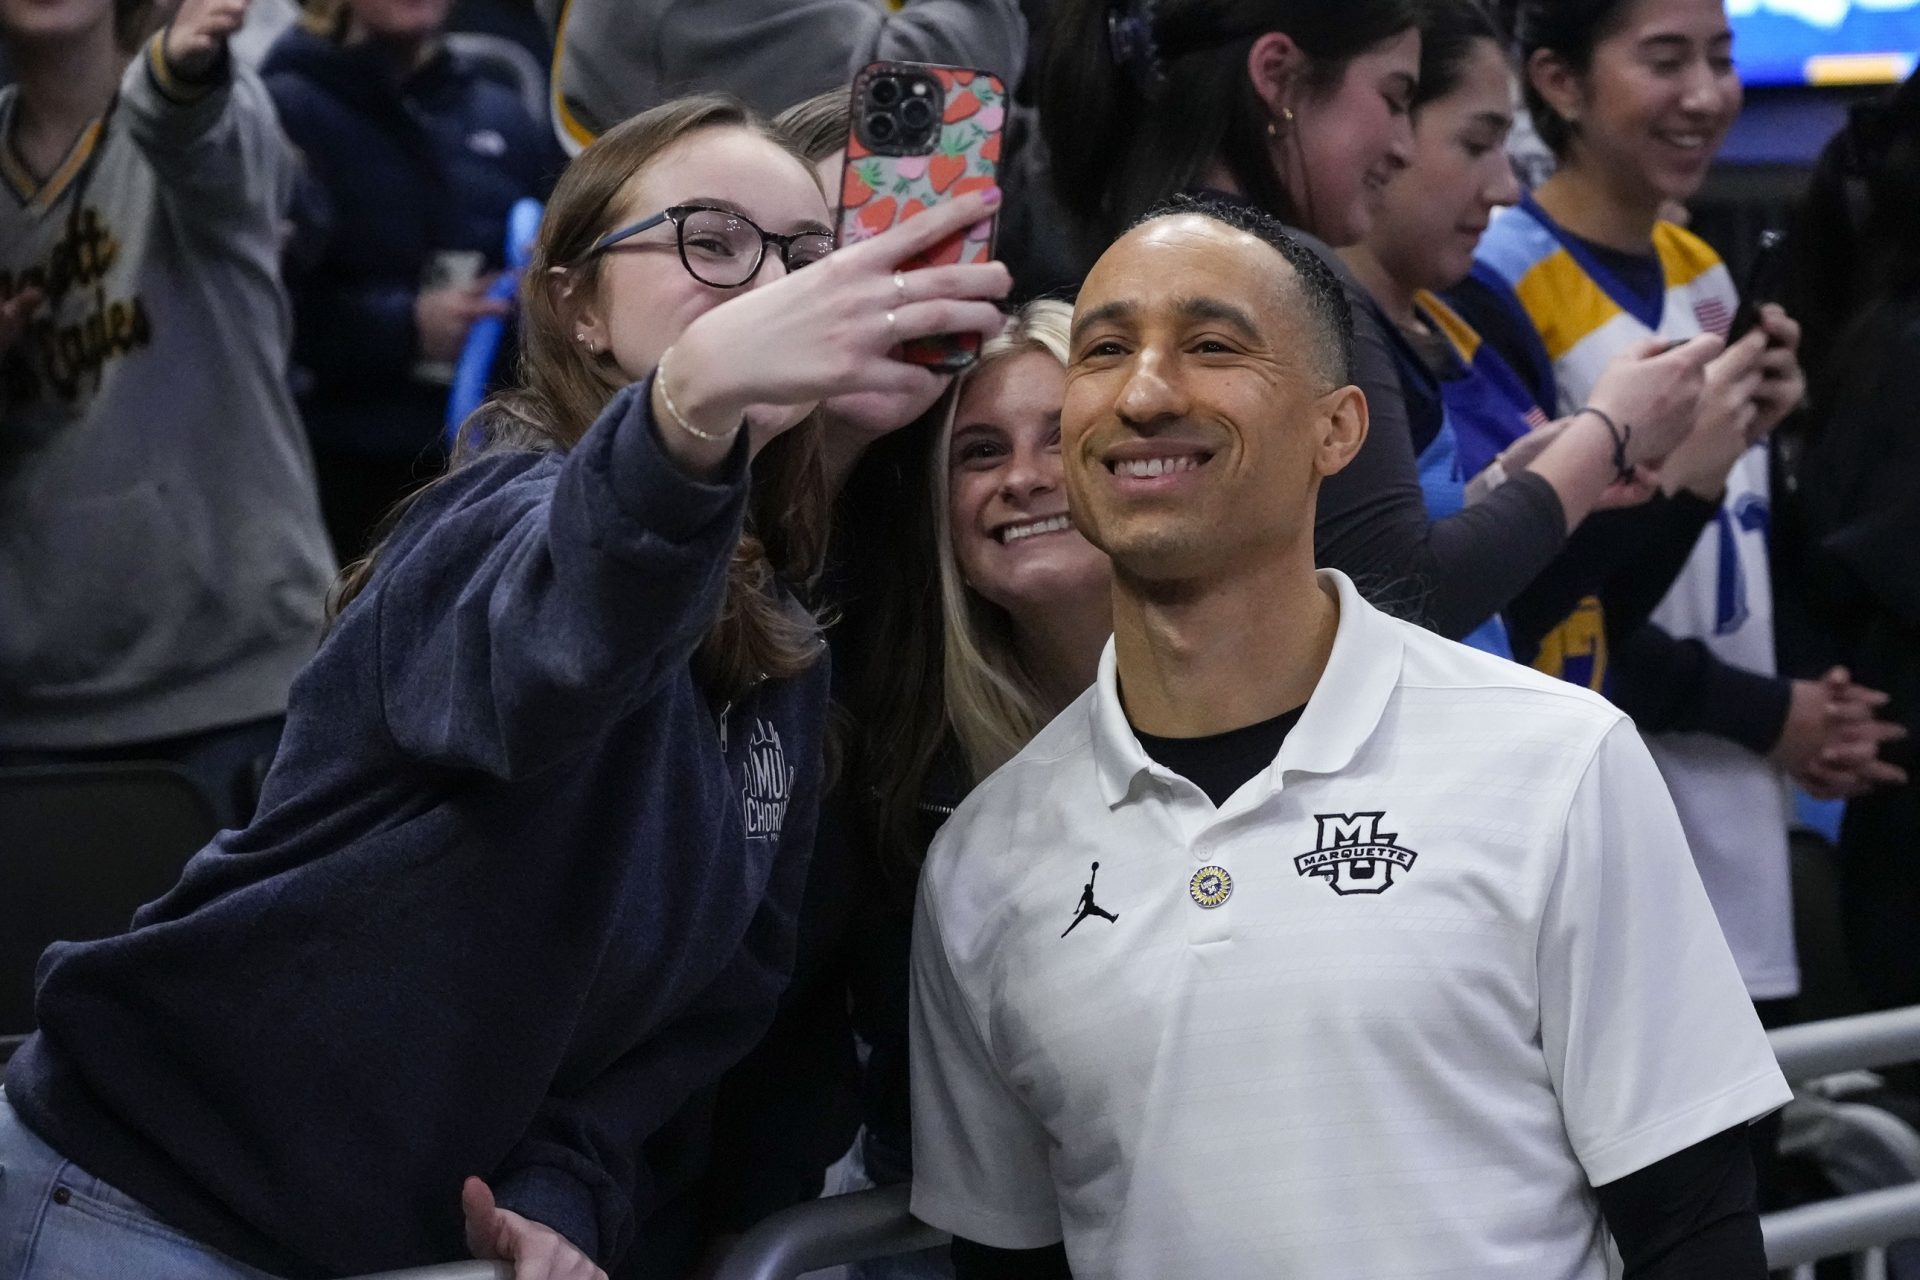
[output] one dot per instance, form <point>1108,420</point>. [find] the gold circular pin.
<point>1210,886</point>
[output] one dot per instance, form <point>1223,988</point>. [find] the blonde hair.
<point>993,702</point>
<point>818,126</point>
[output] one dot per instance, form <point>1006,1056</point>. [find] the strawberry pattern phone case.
<point>923,134</point>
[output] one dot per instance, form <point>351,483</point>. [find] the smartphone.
<point>923,134</point>
<point>1764,278</point>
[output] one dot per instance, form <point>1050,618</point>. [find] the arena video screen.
<point>1825,42</point>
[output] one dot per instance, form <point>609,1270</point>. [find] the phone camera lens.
<point>916,114</point>
<point>885,92</point>
<point>881,128</point>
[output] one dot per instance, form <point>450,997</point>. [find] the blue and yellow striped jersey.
<point>1581,311</point>
<point>1565,308</point>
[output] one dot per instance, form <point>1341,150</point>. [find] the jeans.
<point>59,1222</point>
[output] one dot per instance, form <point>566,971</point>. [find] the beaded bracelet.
<point>673,410</point>
<point>1621,435</point>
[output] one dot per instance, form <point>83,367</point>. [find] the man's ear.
<point>1274,66</point>
<point>1342,428</point>
<point>569,297</point>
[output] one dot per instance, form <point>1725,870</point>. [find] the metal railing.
<point>1846,1044</point>
<point>1857,1225</point>
<point>1847,1225</point>
<point>828,1232</point>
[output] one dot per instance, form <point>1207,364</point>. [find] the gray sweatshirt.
<point>619,57</point>
<point>163,566</point>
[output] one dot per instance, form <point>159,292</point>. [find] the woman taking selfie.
<point>524,873</point>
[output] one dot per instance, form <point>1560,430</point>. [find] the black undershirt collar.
<point>1220,763</point>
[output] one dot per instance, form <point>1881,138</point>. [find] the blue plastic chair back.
<point>483,339</point>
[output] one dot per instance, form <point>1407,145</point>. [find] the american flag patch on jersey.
<point>1536,417</point>
<point>1713,316</point>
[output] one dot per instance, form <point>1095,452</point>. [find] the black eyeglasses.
<point>722,248</point>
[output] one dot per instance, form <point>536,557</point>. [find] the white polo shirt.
<point>1461,968</point>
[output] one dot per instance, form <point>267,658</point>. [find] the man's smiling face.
<point>1197,401</point>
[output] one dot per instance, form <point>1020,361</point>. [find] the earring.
<point>1273,127</point>
<point>587,342</point>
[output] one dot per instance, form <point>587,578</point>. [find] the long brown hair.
<point>562,389</point>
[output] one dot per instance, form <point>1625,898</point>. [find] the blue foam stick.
<point>1822,817</point>
<point>483,339</point>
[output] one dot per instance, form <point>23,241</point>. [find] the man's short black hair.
<point>1326,306</point>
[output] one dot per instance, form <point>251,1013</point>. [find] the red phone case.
<point>879,191</point>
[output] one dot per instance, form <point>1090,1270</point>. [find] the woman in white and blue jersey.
<point>1634,97</point>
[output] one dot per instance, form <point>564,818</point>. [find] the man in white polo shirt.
<point>1393,962</point>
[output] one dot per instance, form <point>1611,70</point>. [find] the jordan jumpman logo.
<point>1087,906</point>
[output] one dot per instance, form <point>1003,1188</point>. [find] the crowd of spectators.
<point>576,777</point>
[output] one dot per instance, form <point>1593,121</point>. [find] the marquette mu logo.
<point>1354,855</point>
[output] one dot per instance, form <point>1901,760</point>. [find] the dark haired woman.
<point>1300,109</point>
<point>524,875</point>
<point>1857,284</point>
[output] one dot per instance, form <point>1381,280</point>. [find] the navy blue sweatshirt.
<point>517,890</point>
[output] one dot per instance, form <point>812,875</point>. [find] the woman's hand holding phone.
<point>1783,384</point>
<point>1723,427</point>
<point>829,330</point>
<point>923,136</point>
